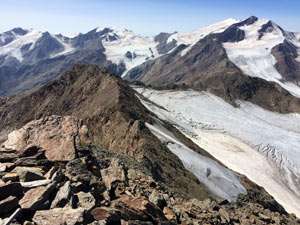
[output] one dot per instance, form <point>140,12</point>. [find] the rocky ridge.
<point>97,186</point>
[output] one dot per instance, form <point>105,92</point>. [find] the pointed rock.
<point>36,196</point>
<point>63,196</point>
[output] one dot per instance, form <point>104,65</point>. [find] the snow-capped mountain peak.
<point>253,55</point>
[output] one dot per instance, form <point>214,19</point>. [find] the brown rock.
<point>36,196</point>
<point>27,174</point>
<point>57,135</point>
<point>11,189</point>
<point>8,204</point>
<point>60,216</point>
<point>85,200</point>
<point>129,213</point>
<point>114,173</point>
<point>63,196</point>
<point>224,214</point>
<point>158,199</point>
<point>264,218</point>
<point>108,214</point>
<point>170,215</point>
<point>13,177</point>
<point>144,205</point>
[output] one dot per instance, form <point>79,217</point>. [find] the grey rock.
<point>62,197</point>
<point>2,167</point>
<point>85,200</point>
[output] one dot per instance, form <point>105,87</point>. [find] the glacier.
<point>262,145</point>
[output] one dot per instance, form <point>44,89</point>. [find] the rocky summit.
<point>96,186</point>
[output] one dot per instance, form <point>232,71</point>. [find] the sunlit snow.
<point>260,144</point>
<point>144,48</point>
<point>14,48</point>
<point>221,181</point>
<point>253,55</point>
<point>193,37</point>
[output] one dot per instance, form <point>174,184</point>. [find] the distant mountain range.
<point>256,47</point>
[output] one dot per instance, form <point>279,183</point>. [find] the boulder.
<point>85,200</point>
<point>27,174</point>
<point>158,199</point>
<point>115,173</point>
<point>152,211</point>
<point>57,135</point>
<point>107,214</point>
<point>170,215</point>
<point>8,204</point>
<point>36,196</point>
<point>63,196</point>
<point>129,213</point>
<point>61,216</point>
<point>11,189</point>
<point>13,177</point>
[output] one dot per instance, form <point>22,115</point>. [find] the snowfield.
<point>260,144</point>
<point>193,37</point>
<point>253,55</point>
<point>221,181</point>
<point>144,48</point>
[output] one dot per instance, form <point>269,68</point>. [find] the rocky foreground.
<point>51,174</point>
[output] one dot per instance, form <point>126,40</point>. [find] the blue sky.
<point>146,17</point>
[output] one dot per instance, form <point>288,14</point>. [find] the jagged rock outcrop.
<point>57,135</point>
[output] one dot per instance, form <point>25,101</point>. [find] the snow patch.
<point>68,48</point>
<point>193,37</point>
<point>221,181</point>
<point>144,48</point>
<point>253,55</point>
<point>260,144</point>
<point>14,48</point>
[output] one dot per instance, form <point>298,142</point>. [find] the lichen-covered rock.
<point>57,135</point>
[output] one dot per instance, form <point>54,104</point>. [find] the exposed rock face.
<point>57,135</point>
<point>288,66</point>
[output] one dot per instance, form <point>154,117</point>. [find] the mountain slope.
<point>115,119</point>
